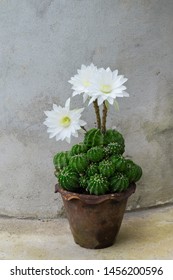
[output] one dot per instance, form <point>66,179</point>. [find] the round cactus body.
<point>95,154</point>
<point>78,149</point>
<point>114,148</point>
<point>97,184</point>
<point>68,179</point>
<point>61,160</point>
<point>92,169</point>
<point>83,181</point>
<point>93,138</point>
<point>129,163</point>
<point>106,168</point>
<point>119,183</point>
<point>79,163</point>
<point>134,172</point>
<point>113,135</point>
<point>119,163</point>
<point>139,173</point>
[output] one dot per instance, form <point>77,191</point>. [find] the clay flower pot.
<point>95,220</point>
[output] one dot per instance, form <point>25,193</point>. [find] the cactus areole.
<point>95,176</point>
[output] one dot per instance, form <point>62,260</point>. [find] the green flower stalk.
<point>104,117</point>
<point>97,112</point>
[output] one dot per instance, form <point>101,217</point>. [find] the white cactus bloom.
<point>107,85</point>
<point>63,123</point>
<point>83,80</point>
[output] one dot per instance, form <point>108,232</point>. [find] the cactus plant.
<point>61,160</point>
<point>106,168</point>
<point>68,179</point>
<point>83,181</point>
<point>97,184</point>
<point>93,138</point>
<point>92,169</point>
<point>114,148</point>
<point>113,135</point>
<point>99,158</point>
<point>79,163</point>
<point>88,168</point>
<point>129,163</point>
<point>78,149</point>
<point>95,154</point>
<point>133,172</point>
<point>119,162</point>
<point>119,182</point>
<point>96,166</point>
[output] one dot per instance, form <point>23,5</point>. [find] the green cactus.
<point>113,135</point>
<point>129,163</point>
<point>61,160</point>
<point>92,169</point>
<point>96,165</point>
<point>78,149</point>
<point>106,168</point>
<point>97,184</point>
<point>93,138</point>
<point>133,172</point>
<point>95,154</point>
<point>119,162</point>
<point>119,182</point>
<point>83,180</point>
<point>68,179</point>
<point>114,148</point>
<point>139,173</point>
<point>79,163</point>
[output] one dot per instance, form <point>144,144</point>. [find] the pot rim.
<point>96,199</point>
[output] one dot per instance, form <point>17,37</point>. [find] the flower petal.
<point>67,104</point>
<point>62,123</point>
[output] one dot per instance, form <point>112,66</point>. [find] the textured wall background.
<point>42,44</point>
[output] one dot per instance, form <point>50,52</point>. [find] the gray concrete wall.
<point>42,44</point>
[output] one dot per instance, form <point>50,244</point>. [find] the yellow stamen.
<point>65,121</point>
<point>106,88</point>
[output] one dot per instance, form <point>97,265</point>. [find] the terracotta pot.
<point>95,220</point>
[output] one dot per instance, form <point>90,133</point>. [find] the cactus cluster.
<point>97,165</point>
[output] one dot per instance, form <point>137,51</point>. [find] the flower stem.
<point>97,111</point>
<point>104,116</point>
<point>84,128</point>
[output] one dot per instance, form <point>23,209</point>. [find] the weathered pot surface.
<point>95,220</point>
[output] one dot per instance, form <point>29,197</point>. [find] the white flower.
<point>107,85</point>
<point>63,123</point>
<point>83,80</point>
